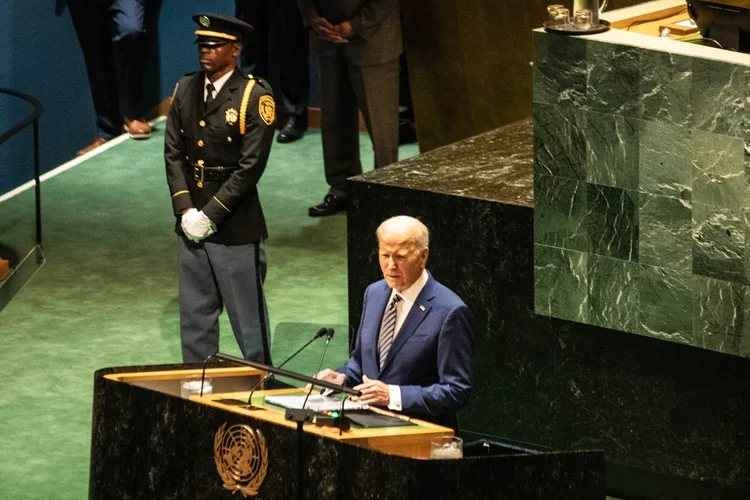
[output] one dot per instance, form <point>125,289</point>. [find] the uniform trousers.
<point>112,35</point>
<point>347,89</point>
<point>211,277</point>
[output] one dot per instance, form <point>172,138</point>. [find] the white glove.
<point>196,225</point>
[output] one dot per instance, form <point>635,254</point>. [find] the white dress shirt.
<point>217,85</point>
<point>409,297</point>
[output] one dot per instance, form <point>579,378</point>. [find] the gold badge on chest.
<point>231,116</point>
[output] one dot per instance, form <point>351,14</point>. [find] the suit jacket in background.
<point>431,358</point>
<point>376,24</point>
<point>212,135</point>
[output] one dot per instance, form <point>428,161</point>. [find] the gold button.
<point>200,162</point>
<point>202,123</point>
<point>200,143</point>
<point>229,139</point>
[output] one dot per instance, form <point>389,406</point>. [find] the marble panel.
<point>665,160</point>
<point>612,222</point>
<point>719,242</point>
<point>614,74</point>
<point>561,283</point>
<point>559,141</point>
<point>718,97</point>
<point>665,232</point>
<point>560,70</point>
<point>719,171</point>
<point>720,311</point>
<point>560,213</point>
<point>612,150</point>
<point>665,304</point>
<point>613,293</point>
<point>664,87</point>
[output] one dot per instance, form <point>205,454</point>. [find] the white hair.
<point>410,226</point>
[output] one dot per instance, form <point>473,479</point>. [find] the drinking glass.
<point>192,387</point>
<point>443,447</point>
<point>584,19</point>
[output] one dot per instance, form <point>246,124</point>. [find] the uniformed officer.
<point>217,140</point>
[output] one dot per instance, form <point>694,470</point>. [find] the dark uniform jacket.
<point>215,136</point>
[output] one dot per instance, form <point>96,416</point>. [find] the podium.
<point>150,442</point>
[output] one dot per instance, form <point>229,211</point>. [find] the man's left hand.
<point>374,392</point>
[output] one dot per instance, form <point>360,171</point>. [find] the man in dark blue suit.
<point>414,351</point>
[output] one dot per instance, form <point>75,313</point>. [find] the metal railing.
<point>32,119</point>
<point>25,269</point>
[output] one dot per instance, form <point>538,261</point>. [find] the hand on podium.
<point>374,392</point>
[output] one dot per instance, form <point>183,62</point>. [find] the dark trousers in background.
<point>278,30</point>
<point>347,89</point>
<point>112,35</point>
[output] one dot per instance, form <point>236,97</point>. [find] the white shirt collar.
<point>410,294</point>
<point>218,84</point>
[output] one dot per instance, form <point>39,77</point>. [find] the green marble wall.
<point>642,202</point>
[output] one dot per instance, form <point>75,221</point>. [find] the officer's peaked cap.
<point>215,29</point>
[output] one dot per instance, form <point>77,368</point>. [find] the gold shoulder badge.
<point>205,21</point>
<point>231,116</point>
<point>241,457</point>
<point>267,109</point>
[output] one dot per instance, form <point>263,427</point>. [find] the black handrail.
<point>32,118</point>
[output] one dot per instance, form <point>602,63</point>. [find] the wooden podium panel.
<point>150,442</point>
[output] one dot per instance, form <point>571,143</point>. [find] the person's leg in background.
<point>129,42</point>
<point>340,132</point>
<point>254,57</point>
<point>376,88</point>
<point>294,68</point>
<point>92,26</point>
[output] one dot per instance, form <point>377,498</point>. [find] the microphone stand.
<point>318,334</point>
<point>302,416</point>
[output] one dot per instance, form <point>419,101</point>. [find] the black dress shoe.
<point>331,205</point>
<point>294,129</point>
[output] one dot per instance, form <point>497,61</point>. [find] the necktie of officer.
<point>209,93</point>
<point>387,330</point>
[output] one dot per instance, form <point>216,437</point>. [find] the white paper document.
<point>315,402</point>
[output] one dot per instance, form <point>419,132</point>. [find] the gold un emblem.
<point>241,457</point>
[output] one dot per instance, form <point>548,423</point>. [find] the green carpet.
<point>107,296</point>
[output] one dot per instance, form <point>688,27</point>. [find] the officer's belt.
<point>205,173</point>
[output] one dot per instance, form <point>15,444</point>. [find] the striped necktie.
<point>387,330</point>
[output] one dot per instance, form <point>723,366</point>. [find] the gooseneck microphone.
<point>320,333</point>
<point>329,336</point>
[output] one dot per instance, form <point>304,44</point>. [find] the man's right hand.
<point>196,225</point>
<point>325,31</point>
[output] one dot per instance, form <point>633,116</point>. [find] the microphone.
<point>329,336</point>
<point>320,333</point>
